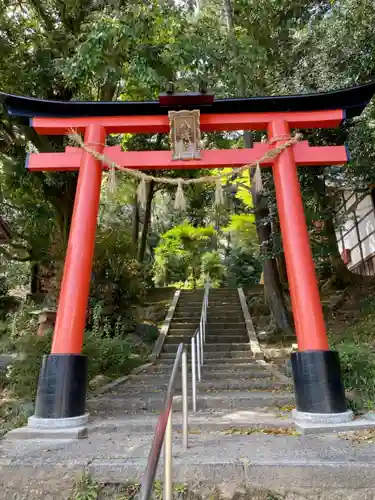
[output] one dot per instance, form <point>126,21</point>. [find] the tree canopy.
<point>93,50</point>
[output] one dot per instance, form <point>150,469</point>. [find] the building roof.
<point>351,100</point>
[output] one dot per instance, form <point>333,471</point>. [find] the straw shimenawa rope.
<point>180,202</point>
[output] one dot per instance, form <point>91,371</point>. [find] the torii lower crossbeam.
<point>304,155</point>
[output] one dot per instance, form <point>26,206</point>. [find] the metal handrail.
<point>164,430</point>
<point>197,342</point>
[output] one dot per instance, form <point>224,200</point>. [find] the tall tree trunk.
<point>35,279</point>
<point>107,91</point>
<point>135,221</point>
<point>281,263</point>
<point>146,222</point>
<point>281,266</point>
<point>272,285</point>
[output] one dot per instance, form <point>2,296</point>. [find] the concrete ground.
<point>224,449</point>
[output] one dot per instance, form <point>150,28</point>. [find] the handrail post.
<point>193,375</point>
<point>205,324</point>
<point>198,357</point>
<point>163,434</point>
<point>200,333</point>
<point>168,487</point>
<point>184,399</point>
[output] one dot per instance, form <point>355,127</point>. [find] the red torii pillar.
<point>316,369</point>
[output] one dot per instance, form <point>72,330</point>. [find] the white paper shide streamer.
<point>112,180</point>
<point>219,193</point>
<point>142,193</point>
<point>257,179</point>
<point>180,200</point>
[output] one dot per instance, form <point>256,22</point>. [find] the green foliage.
<point>212,266</point>
<point>242,262</point>
<point>117,281</point>
<point>358,367</point>
<point>242,229</point>
<point>356,346</point>
<point>13,414</point>
<point>180,251</point>
<point>14,274</point>
<point>188,284</point>
<point>23,374</point>
<point>111,356</point>
<point>243,268</point>
<point>22,322</point>
<point>85,489</point>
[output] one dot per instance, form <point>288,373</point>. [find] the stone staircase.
<point>231,378</point>
<point>241,440</point>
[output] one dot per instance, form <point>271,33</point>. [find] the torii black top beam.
<point>351,100</point>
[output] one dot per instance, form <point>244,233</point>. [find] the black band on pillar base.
<point>62,386</point>
<point>317,382</point>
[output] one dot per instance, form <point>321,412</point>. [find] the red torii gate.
<point>316,369</point>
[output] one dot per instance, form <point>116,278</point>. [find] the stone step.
<point>224,293</point>
<point>210,356</point>
<point>204,386</point>
<point>230,340</point>
<point>179,323</point>
<point>225,331</point>
<point>223,400</point>
<point>181,332</point>
<point>228,334</point>
<point>213,348</point>
<point>201,420</point>
<point>241,372</point>
<point>168,359</point>
<point>222,309</point>
<point>175,338</point>
<point>183,316</point>
<point>189,309</point>
<point>217,317</point>
<point>213,370</point>
<point>213,301</point>
<point>226,325</point>
<point>184,319</point>
<point>190,302</point>
<point>275,466</point>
